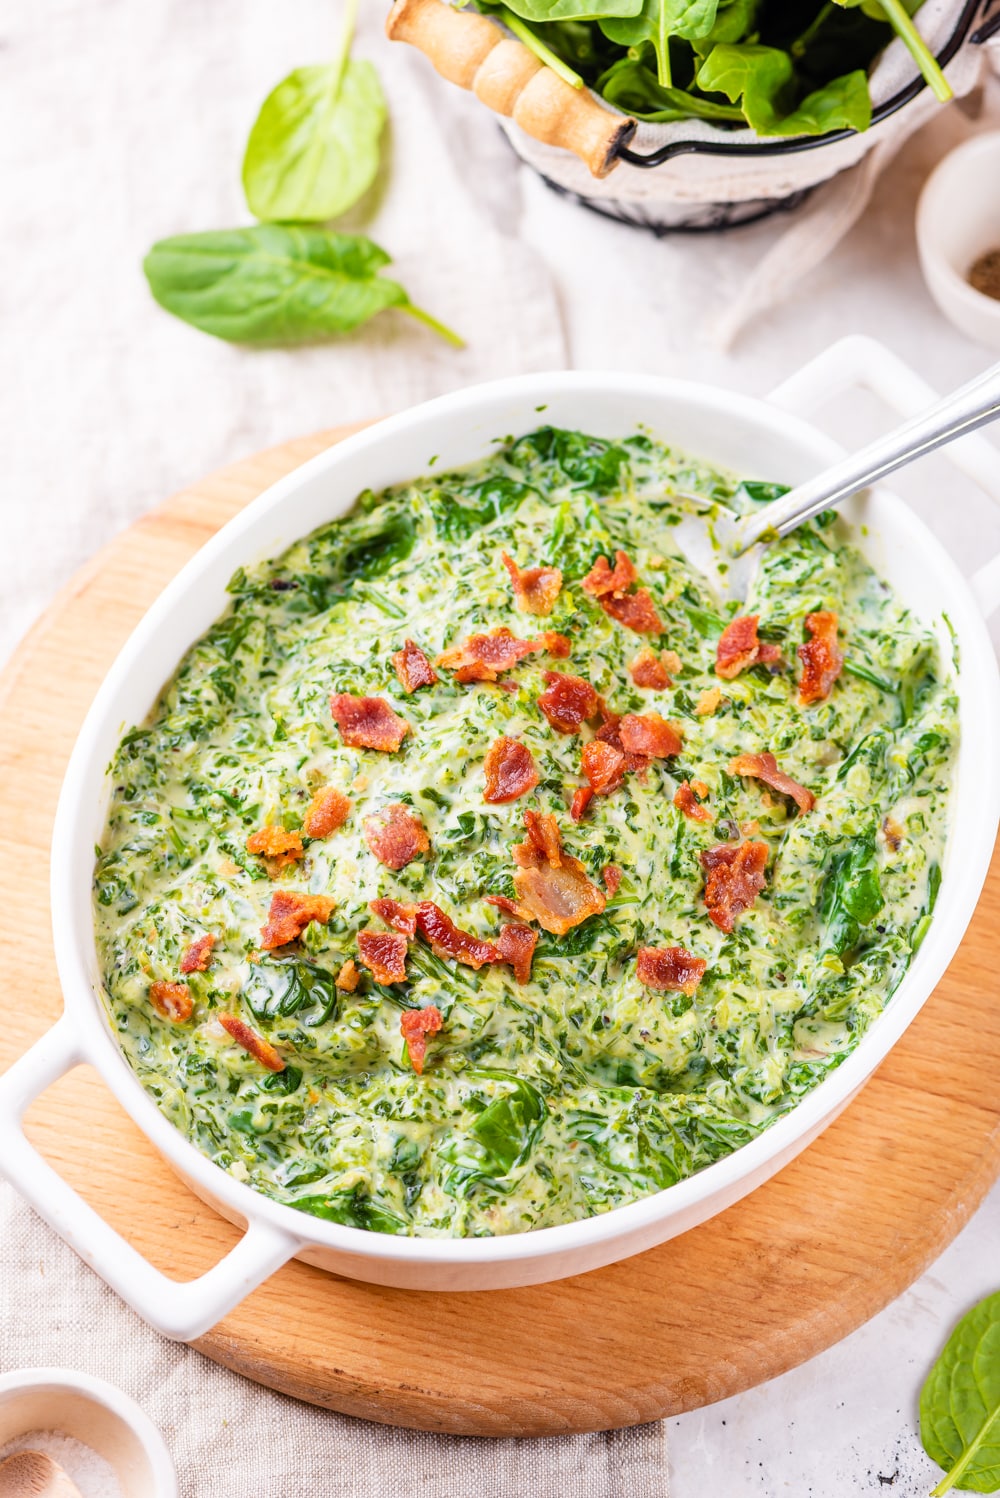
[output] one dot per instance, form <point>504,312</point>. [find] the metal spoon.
<point>727,550</point>
<point>33,1474</point>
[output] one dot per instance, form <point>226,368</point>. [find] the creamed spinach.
<point>582,1089</point>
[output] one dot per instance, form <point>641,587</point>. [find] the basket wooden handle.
<point>474,52</point>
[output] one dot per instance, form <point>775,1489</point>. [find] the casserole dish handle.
<point>861,361</point>
<point>182,1310</point>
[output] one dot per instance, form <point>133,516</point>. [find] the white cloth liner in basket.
<point>843,172</point>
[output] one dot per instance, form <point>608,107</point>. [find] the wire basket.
<point>693,176</point>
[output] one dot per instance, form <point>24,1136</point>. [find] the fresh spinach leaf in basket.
<point>276,284</point>
<point>783,67</point>
<point>960,1404</point>
<point>314,147</point>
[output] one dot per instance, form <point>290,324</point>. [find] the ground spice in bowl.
<point>984,275</point>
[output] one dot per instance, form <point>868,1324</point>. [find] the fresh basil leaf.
<point>314,147</point>
<point>960,1404</point>
<point>276,284</point>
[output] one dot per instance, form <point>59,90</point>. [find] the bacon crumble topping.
<point>708,702</point>
<point>509,770</point>
<point>612,876</point>
<point>383,953</point>
<point>397,915</point>
<point>197,955</point>
<point>553,888</point>
<point>684,800</point>
<point>740,647</point>
<point>367,722</point>
<point>259,1048</point>
<point>413,668</point>
<point>568,701</point>
<point>535,588</point>
<point>649,672</point>
<point>415,1025</point>
<point>485,657</point>
<point>610,587</point>
<point>289,916</point>
<point>734,877</point>
<point>448,940</point>
<point>171,1001</point>
<point>822,661</point>
<point>348,978</point>
<point>649,735</point>
<point>765,767</point>
<point>516,945</point>
<point>396,836</point>
<point>328,810</point>
<point>671,969</point>
<point>276,846</point>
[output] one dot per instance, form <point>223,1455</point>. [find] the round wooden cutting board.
<point>782,1275</point>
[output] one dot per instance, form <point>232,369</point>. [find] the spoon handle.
<point>971,406</point>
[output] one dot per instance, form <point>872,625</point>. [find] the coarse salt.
<point>92,1474</point>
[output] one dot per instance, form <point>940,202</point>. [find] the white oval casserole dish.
<point>754,438</point>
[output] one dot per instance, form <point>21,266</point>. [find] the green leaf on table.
<point>657,22</point>
<point>314,147</point>
<point>276,284</point>
<point>763,79</point>
<point>960,1404</point>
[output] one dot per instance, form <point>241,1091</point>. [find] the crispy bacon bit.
<point>277,847</point>
<point>536,588</point>
<point>198,954</point>
<point>650,735</point>
<point>396,836</point>
<point>740,647</point>
<point>397,915</point>
<point>413,668</point>
<point>415,1025</point>
<point>447,940</point>
<point>383,953</point>
<point>636,611</point>
<point>582,798</point>
<point>670,968</point>
<point>603,765</point>
<point>603,578</point>
<point>484,657</point>
<point>734,877</point>
<point>671,661</point>
<point>348,977</point>
<point>171,1001</point>
<point>556,644</point>
<point>610,733</point>
<point>893,833</point>
<point>328,810</point>
<point>367,722</point>
<point>649,672</point>
<point>568,701</point>
<point>553,888</point>
<point>821,658</point>
<point>612,876</point>
<point>765,767</point>
<point>504,902</point>
<point>260,1049</point>
<point>510,771</point>
<point>708,702</point>
<point>289,916</point>
<point>516,946</point>
<point>684,800</point>
<point>610,585</point>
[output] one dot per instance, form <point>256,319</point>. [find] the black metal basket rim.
<point>800,143</point>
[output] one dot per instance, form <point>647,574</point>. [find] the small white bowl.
<point>958,219</point>
<point>96,1414</point>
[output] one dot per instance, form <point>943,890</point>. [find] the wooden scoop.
<point>32,1474</point>
<point>474,52</point>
